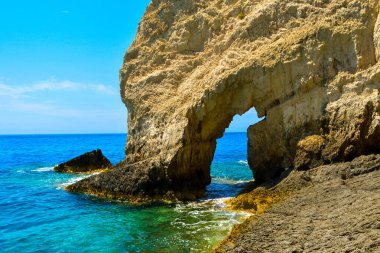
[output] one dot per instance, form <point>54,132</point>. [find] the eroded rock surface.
<point>334,208</point>
<point>309,67</point>
<point>88,162</point>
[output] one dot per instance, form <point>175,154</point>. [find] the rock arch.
<point>195,64</point>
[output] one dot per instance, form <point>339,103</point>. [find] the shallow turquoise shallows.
<point>37,215</point>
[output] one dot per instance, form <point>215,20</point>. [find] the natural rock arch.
<point>195,64</point>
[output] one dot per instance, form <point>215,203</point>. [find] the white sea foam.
<point>220,203</point>
<point>200,212</point>
<point>75,179</point>
<point>71,181</point>
<point>229,181</point>
<point>44,169</point>
<point>195,207</point>
<point>245,162</point>
<point>21,171</point>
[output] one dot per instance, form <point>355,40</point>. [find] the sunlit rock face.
<point>310,67</point>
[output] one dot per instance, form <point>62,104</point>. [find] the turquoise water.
<point>37,215</point>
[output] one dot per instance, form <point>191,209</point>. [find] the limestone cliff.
<point>310,67</point>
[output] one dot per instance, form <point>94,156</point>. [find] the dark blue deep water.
<point>37,215</point>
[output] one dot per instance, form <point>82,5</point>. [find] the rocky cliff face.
<point>310,67</point>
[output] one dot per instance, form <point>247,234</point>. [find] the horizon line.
<point>13,134</point>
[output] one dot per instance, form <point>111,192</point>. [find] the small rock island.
<point>88,162</point>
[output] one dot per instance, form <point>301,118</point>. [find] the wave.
<point>200,212</point>
<point>44,169</point>
<point>71,181</point>
<point>225,180</point>
<point>75,179</point>
<point>244,162</point>
<point>202,206</point>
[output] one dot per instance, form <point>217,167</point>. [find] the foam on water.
<point>74,179</point>
<point>229,181</point>
<point>44,169</point>
<point>244,162</point>
<point>195,217</point>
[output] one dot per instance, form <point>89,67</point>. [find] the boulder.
<point>88,162</point>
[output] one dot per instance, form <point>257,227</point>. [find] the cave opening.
<point>229,169</point>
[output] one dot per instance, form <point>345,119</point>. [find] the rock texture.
<point>88,162</point>
<point>309,67</point>
<point>309,152</point>
<point>334,208</point>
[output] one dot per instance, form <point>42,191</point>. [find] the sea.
<point>38,215</point>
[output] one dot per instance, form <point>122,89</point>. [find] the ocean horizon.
<point>44,134</point>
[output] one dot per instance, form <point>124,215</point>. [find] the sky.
<point>59,63</point>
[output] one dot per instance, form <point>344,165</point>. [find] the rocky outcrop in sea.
<point>88,162</point>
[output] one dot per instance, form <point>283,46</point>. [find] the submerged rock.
<point>311,68</point>
<point>88,162</point>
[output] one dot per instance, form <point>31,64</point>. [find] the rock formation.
<point>332,208</point>
<point>309,67</point>
<point>88,162</point>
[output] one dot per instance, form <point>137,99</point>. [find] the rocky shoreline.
<point>331,208</point>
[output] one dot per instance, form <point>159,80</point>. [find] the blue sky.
<point>59,63</point>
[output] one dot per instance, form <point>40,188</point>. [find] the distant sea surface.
<point>38,215</point>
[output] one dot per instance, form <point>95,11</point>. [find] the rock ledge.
<point>332,208</point>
